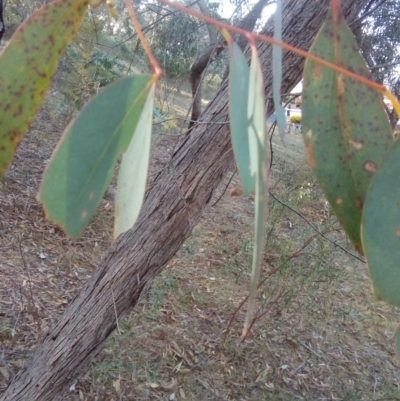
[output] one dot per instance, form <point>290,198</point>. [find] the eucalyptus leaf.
<point>82,165</point>
<point>345,127</point>
<point>27,65</point>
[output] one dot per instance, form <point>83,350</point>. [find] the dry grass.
<point>321,336</point>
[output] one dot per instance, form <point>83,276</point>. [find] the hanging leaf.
<point>277,71</point>
<point>397,340</point>
<point>381,229</point>
<point>238,94</point>
<point>345,127</point>
<point>259,162</point>
<point>133,171</point>
<point>83,163</point>
<point>27,65</point>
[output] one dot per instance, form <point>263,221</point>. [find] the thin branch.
<point>271,273</point>
<point>189,120</point>
<point>316,229</point>
<point>223,192</point>
<point>368,13</point>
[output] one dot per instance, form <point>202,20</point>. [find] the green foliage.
<point>135,162</point>
<point>176,44</point>
<point>93,71</point>
<point>295,119</point>
<point>356,164</point>
<point>25,75</point>
<point>238,90</point>
<point>345,160</point>
<point>81,168</point>
<point>380,43</point>
<point>381,228</point>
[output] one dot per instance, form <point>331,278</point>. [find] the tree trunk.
<point>173,206</point>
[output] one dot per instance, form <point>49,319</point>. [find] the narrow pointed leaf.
<point>277,70</point>
<point>238,94</point>
<point>259,159</point>
<point>82,166</point>
<point>345,127</point>
<point>27,65</point>
<point>133,171</point>
<point>381,229</point>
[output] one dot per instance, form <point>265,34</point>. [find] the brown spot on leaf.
<point>317,70</point>
<point>91,195</point>
<point>355,144</point>
<point>339,201</point>
<point>84,214</point>
<point>398,232</point>
<point>309,149</point>
<point>341,84</point>
<point>370,166</point>
<point>358,203</point>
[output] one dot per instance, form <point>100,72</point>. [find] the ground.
<point>320,333</point>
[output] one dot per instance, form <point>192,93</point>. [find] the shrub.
<point>295,119</point>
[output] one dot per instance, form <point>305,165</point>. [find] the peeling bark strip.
<point>172,208</point>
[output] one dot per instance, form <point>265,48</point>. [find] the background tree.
<point>378,33</point>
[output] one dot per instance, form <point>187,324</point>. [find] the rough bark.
<point>173,206</point>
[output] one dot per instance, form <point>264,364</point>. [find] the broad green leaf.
<point>133,171</point>
<point>277,70</point>
<point>27,65</point>
<point>259,159</point>
<point>238,94</point>
<point>345,127</point>
<point>381,229</point>
<point>83,163</point>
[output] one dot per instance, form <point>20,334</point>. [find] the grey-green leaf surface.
<point>133,171</point>
<point>381,229</point>
<point>82,165</point>
<point>27,65</point>
<point>259,159</point>
<point>238,95</point>
<point>397,341</point>
<point>345,127</point>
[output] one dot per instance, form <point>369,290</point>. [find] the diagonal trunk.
<point>172,208</point>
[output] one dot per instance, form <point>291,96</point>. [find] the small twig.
<point>223,192</point>
<point>31,301</point>
<point>271,273</point>
<point>316,229</point>
<point>196,121</point>
<point>367,13</point>
<point>115,311</point>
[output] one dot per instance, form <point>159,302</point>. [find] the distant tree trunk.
<point>173,206</point>
<point>214,50</point>
<point>3,4</point>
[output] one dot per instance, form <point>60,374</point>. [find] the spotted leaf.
<point>27,65</point>
<point>345,127</point>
